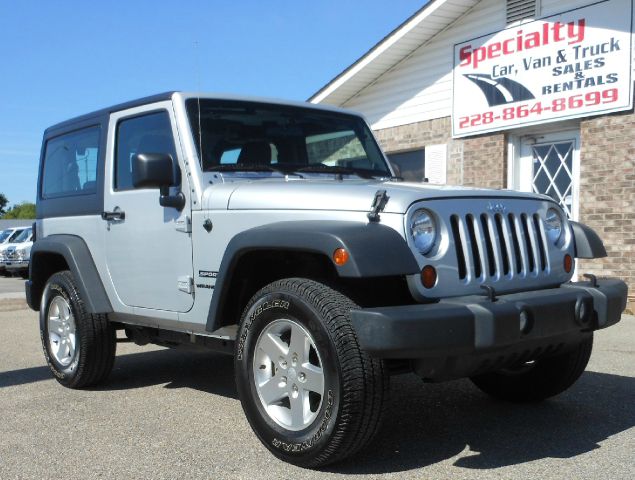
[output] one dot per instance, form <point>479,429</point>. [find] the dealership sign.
<point>573,64</point>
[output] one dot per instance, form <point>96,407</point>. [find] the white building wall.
<point>420,87</point>
<point>551,7</point>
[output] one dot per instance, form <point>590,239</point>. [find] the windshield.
<point>4,234</point>
<point>22,236</point>
<point>14,235</point>
<point>237,135</point>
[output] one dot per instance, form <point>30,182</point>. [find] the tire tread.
<point>364,379</point>
<point>97,340</point>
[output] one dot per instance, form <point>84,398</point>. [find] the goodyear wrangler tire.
<point>545,378</point>
<point>79,347</point>
<point>311,395</point>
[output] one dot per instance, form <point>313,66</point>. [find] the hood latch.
<point>379,203</point>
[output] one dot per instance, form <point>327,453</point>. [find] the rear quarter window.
<point>70,163</point>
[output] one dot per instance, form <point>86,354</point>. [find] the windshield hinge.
<point>184,224</point>
<point>379,203</point>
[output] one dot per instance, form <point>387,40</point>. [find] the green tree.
<point>3,203</point>
<point>24,210</point>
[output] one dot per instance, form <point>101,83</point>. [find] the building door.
<point>550,164</point>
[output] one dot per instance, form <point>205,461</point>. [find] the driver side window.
<point>151,133</point>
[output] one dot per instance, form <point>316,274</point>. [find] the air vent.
<point>520,10</point>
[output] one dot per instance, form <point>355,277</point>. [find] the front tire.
<point>310,394</point>
<point>544,378</point>
<point>79,347</point>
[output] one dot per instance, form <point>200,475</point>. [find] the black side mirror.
<point>158,170</point>
<point>152,170</point>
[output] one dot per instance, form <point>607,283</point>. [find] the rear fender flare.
<point>80,262</point>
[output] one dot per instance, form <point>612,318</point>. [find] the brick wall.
<point>485,161</point>
<point>607,193</point>
<point>418,135</point>
<point>476,161</point>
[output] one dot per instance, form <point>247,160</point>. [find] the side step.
<point>221,340</point>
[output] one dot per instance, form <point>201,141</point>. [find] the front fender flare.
<point>375,251</point>
<point>588,243</point>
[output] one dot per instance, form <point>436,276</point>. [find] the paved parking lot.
<point>174,414</point>
<point>11,287</point>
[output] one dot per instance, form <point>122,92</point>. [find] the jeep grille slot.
<point>513,227</point>
<point>503,243</point>
<point>529,244</point>
<point>490,239</point>
<point>458,246</point>
<point>540,239</point>
<point>495,246</point>
<point>475,244</point>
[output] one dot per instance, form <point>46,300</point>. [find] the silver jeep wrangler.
<point>279,233</point>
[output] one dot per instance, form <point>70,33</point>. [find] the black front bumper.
<point>475,326</point>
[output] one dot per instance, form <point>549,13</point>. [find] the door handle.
<point>114,215</point>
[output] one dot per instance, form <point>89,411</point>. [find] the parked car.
<point>279,233</point>
<point>8,235</point>
<point>4,235</point>
<point>16,259</point>
<point>16,237</point>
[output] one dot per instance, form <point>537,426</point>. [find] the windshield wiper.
<point>250,167</point>
<point>243,167</point>
<point>321,168</point>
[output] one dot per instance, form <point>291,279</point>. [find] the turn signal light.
<point>428,276</point>
<point>568,263</point>
<point>340,256</point>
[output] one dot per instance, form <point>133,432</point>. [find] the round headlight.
<point>423,231</point>
<point>553,225</point>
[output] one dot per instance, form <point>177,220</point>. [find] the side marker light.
<point>340,256</point>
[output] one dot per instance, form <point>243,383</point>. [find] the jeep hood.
<point>348,195</point>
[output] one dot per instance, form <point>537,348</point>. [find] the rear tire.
<point>546,378</point>
<point>79,347</point>
<point>342,389</point>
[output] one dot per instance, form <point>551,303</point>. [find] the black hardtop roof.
<point>108,110</point>
<point>96,116</point>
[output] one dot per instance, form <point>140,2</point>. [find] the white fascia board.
<point>378,51</point>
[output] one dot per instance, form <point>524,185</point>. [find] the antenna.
<point>198,101</point>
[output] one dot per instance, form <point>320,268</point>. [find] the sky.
<point>59,59</point>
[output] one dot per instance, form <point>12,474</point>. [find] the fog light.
<point>428,276</point>
<point>568,263</point>
<point>583,311</point>
<point>525,322</point>
<point>340,256</point>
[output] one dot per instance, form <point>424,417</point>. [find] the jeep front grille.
<point>496,246</point>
